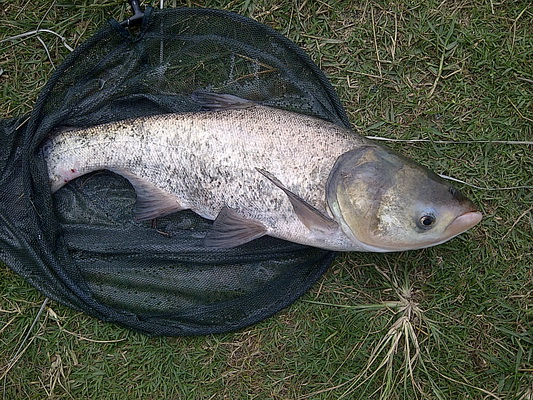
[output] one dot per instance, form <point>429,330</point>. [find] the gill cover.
<point>387,202</point>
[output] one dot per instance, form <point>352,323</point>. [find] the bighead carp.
<point>257,170</point>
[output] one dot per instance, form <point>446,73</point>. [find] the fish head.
<point>387,202</point>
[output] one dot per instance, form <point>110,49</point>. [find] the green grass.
<point>450,322</point>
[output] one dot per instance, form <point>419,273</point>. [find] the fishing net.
<point>81,246</point>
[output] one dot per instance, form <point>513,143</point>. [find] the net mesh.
<point>81,246</point>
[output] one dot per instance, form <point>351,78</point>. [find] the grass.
<point>450,322</point>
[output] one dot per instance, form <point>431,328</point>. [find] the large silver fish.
<point>258,171</point>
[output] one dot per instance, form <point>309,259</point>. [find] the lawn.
<point>448,83</point>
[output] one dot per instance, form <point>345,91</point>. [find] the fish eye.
<point>426,221</point>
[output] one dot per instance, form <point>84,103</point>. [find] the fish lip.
<point>464,222</point>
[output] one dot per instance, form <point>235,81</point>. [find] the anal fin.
<point>152,202</point>
<point>231,229</point>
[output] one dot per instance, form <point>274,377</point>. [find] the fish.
<point>256,170</point>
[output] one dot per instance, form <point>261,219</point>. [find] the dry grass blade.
<point>387,350</point>
<point>24,344</point>
<point>36,33</point>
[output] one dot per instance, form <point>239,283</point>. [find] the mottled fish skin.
<point>210,159</point>
<point>268,171</point>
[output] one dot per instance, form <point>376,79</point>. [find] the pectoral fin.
<point>231,229</point>
<point>312,218</point>
<point>152,202</point>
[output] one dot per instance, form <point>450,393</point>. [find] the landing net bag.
<point>81,246</point>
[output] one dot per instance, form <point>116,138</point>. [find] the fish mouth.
<point>463,222</point>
